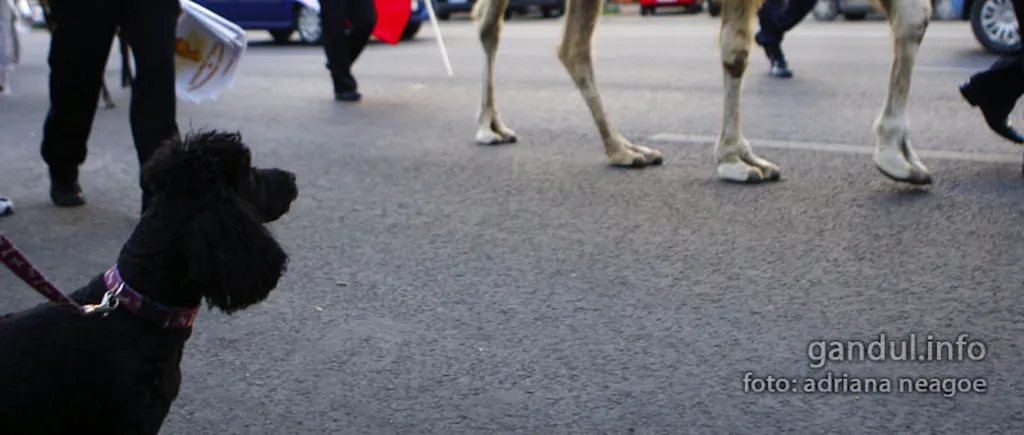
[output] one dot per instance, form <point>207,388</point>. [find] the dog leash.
<point>117,292</point>
<point>22,268</point>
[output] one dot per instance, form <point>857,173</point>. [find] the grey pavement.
<point>437,286</point>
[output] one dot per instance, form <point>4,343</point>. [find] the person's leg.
<point>79,46</point>
<point>795,12</point>
<point>771,33</point>
<point>148,26</point>
<point>776,20</point>
<point>363,15</point>
<point>996,90</point>
<point>337,48</point>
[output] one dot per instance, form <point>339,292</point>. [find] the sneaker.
<point>6,206</point>
<point>780,68</point>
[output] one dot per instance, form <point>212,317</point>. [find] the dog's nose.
<point>291,177</point>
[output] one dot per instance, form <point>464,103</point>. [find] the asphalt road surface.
<point>437,286</point>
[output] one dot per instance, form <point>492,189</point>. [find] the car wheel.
<point>943,10</point>
<point>444,16</point>
<point>713,7</point>
<point>410,31</point>
<point>307,24</point>
<point>826,10</point>
<point>550,12</point>
<point>995,26</point>
<point>281,36</point>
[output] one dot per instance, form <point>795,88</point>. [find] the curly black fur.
<point>201,238</point>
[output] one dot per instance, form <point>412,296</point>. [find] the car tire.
<point>985,14</point>
<point>646,10</point>
<point>713,7</point>
<point>826,10</point>
<point>550,12</point>
<point>943,10</point>
<point>410,31</point>
<point>308,25</point>
<point>281,36</point>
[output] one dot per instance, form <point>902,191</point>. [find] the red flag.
<point>392,17</point>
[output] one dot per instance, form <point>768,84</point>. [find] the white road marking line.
<point>840,148</point>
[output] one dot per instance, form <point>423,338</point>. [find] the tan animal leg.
<point>894,156</point>
<point>734,157</point>
<point>576,53</point>
<point>489,17</point>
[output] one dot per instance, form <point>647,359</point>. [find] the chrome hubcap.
<point>999,22</point>
<point>308,24</point>
<point>824,8</point>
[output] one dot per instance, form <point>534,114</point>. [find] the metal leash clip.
<point>109,302</point>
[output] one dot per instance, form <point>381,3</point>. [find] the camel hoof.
<point>894,165</point>
<point>652,156</point>
<point>915,177</point>
<point>769,171</point>
<point>740,172</point>
<point>487,137</point>
<point>634,156</point>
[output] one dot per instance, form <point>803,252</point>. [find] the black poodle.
<point>62,372</point>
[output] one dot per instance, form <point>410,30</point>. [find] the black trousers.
<point>1004,80</point>
<point>347,25</point>
<point>777,17</point>
<point>82,39</point>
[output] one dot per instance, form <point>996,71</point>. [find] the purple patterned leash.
<point>16,261</point>
<point>118,293</point>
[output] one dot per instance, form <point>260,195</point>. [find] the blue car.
<point>282,18</point>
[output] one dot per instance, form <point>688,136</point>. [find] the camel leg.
<point>735,159</point>
<point>126,63</point>
<point>105,98</point>
<point>489,16</point>
<point>576,53</point>
<point>894,155</point>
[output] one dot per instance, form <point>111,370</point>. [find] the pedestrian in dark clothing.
<point>347,25</point>
<point>776,19</point>
<point>83,31</point>
<point>996,90</point>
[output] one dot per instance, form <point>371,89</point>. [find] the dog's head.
<point>206,188</point>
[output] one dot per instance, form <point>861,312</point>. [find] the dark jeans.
<point>776,19</point>
<point>82,36</point>
<point>344,42</point>
<point>1004,80</point>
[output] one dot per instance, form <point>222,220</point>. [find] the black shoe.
<point>348,96</point>
<point>780,68</point>
<point>996,112</point>
<point>64,188</point>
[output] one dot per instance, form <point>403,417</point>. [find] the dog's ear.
<point>164,165</point>
<point>232,259</point>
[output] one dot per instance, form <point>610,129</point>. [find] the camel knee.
<point>489,15</point>
<point>736,35</point>
<point>570,54</point>
<point>909,19</point>
<point>735,51</point>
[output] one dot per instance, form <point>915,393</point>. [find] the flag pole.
<point>437,33</point>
